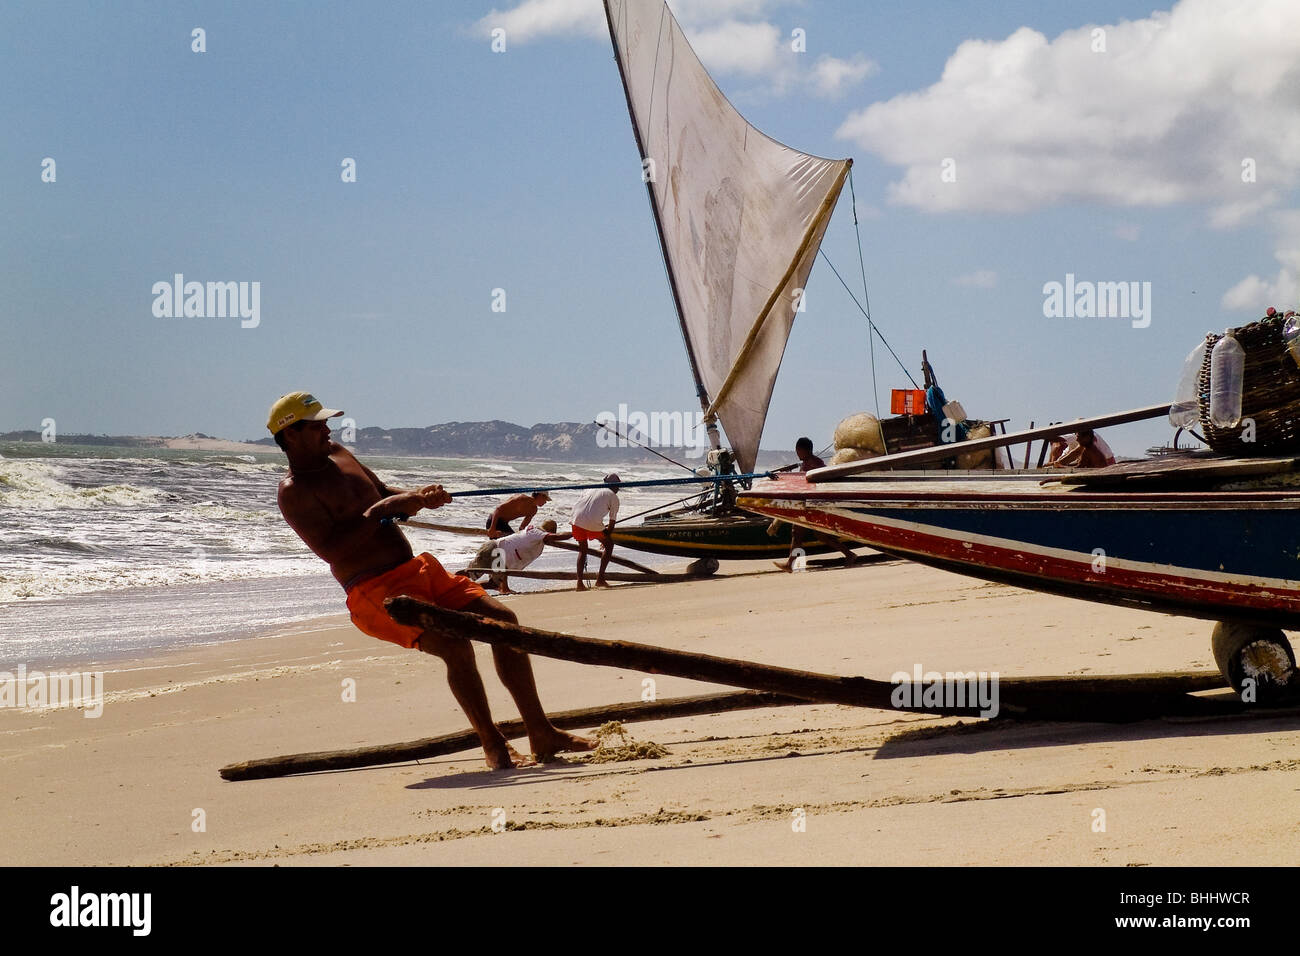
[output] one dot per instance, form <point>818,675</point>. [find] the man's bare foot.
<point>602,584</point>
<point>783,566</point>
<point>506,758</point>
<point>558,741</point>
<point>581,586</point>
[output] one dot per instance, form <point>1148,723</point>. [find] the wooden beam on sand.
<point>1109,699</point>
<point>613,558</point>
<point>467,740</point>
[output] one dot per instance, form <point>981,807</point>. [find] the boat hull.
<point>1216,554</point>
<point>734,537</point>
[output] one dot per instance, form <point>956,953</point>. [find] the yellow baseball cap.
<point>297,407</point>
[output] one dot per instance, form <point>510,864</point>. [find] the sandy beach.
<point>140,786</point>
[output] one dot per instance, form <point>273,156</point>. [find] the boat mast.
<point>710,419</point>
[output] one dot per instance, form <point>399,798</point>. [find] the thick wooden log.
<point>593,554</point>
<point>1110,699</point>
<point>467,740</point>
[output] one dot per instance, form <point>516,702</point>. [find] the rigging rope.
<point>871,327</point>
<point>872,330</point>
<point>647,483</point>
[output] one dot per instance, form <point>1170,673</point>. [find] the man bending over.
<point>336,505</point>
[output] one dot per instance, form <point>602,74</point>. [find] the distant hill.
<point>557,441</point>
<point>195,442</point>
<point>554,441</point>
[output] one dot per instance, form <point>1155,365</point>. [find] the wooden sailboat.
<point>1206,536</point>
<point>740,218</point>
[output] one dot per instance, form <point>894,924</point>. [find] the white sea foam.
<point>111,554</point>
<point>36,485</point>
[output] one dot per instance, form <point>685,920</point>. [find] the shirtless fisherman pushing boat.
<point>336,505</point>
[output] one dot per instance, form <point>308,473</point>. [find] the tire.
<point>702,567</point>
<point>1248,652</point>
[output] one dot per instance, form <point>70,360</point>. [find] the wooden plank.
<point>613,558</point>
<point>1192,470</point>
<point>467,740</point>
<point>1110,699</point>
<point>940,452</point>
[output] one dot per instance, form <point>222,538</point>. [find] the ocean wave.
<point>212,511</point>
<point>34,485</point>
<point>64,544</point>
<point>91,577</point>
<point>248,465</point>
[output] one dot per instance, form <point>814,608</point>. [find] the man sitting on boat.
<point>590,514</point>
<point>803,448</point>
<point>515,552</point>
<point>1088,450</point>
<point>338,507</point>
<point>523,507</point>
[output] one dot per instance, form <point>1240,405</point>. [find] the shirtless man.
<point>520,506</point>
<point>803,448</point>
<point>336,505</point>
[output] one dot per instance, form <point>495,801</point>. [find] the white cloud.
<point>731,37</point>
<point>979,279</point>
<point>702,11</point>
<point>831,75</point>
<point>534,19</point>
<point>1168,114</point>
<point>1255,293</point>
<point>733,47</point>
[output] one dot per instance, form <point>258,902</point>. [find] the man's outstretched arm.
<point>408,503</point>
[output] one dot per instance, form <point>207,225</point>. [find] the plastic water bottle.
<point>1227,363</point>
<point>1291,336</point>
<point>1186,409</point>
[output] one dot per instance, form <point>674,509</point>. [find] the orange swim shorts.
<point>582,534</point>
<point>422,577</point>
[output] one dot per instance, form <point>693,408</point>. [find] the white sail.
<point>741,216</point>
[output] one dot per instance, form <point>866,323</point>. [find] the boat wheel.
<point>702,567</point>
<point>1262,655</point>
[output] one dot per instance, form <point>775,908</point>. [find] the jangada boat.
<point>1203,535</point>
<point>740,218</point>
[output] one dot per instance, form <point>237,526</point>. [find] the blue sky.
<point>516,170</point>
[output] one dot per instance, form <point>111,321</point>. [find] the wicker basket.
<point>1270,393</point>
